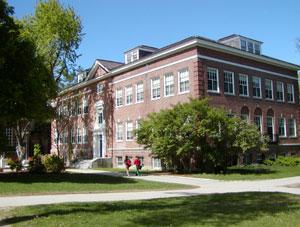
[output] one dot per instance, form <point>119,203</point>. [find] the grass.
<point>239,209</point>
<point>254,172</point>
<point>32,184</point>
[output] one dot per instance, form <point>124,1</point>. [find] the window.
<point>243,82</point>
<point>156,163</point>
<point>72,135</point>
<point>155,88</point>
<point>119,160</point>
<point>279,91</point>
<point>85,105</point>
<point>100,116</point>
<point>119,131</point>
<point>270,127</point>
<point>100,88</point>
<point>213,79</point>
<point>243,45</point>
<point>256,48</point>
<point>292,127</point>
<point>258,122</point>
<point>169,84</point>
<point>129,130</point>
<point>128,95</point>
<point>256,85</point>
<point>245,113</point>
<point>228,82</point>
<point>140,92</point>
<point>290,93</point>
<point>65,136</point>
<point>282,130</point>
<point>78,107</point>
<point>183,80</point>
<point>250,47</point>
<point>79,135</point>
<point>131,56</point>
<point>269,89</point>
<point>85,135</point>
<point>56,137</point>
<point>9,135</point>
<point>119,97</point>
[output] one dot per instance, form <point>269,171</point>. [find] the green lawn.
<point>240,209</point>
<point>28,184</point>
<point>254,172</point>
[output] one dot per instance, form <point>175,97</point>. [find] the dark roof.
<point>142,47</point>
<point>110,64</point>
<point>236,35</point>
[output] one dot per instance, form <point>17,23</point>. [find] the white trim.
<point>246,67</point>
<point>290,144</point>
<point>136,92</point>
<point>169,74</point>
<point>233,85</point>
<point>151,88</point>
<point>282,87</point>
<point>293,92</point>
<point>284,126</point>
<point>247,80</point>
<point>178,80</point>
<point>117,124</point>
<point>272,89</point>
<point>126,93</point>
<point>218,84</point>
<point>259,79</point>
<point>126,127</point>
<point>261,122</point>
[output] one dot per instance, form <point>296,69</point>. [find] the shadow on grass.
<point>216,210</point>
<point>28,178</point>
<point>246,171</point>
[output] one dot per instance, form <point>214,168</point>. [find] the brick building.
<point>104,108</point>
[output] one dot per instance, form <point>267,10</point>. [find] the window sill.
<point>260,98</point>
<point>153,99</point>
<point>293,137</point>
<point>245,96</point>
<point>267,99</point>
<point>212,91</point>
<point>283,137</point>
<point>119,141</point>
<point>291,102</point>
<point>128,104</point>
<point>129,140</point>
<point>184,92</point>
<point>119,106</point>
<point>167,96</point>
<point>230,94</point>
<point>137,102</point>
<point>281,101</point>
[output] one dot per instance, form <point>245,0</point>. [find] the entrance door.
<point>100,145</point>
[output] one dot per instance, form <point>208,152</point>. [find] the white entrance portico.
<point>99,138</point>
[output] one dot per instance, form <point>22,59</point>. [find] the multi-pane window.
<point>292,127</point>
<point>183,79</point>
<point>85,135</point>
<point>56,137</point>
<point>9,136</point>
<point>100,116</point>
<point>65,136</point>
<point>281,130</point>
<point>243,85</point>
<point>119,97</point>
<point>169,84</point>
<point>213,79</point>
<point>243,45</point>
<point>156,163</point>
<point>258,122</point>
<point>269,89</point>
<point>85,105</point>
<point>78,107</point>
<point>128,95</point>
<point>270,127</point>
<point>119,131</point>
<point>290,93</point>
<point>100,88</point>
<point>73,139</point>
<point>140,92</point>
<point>250,47</point>
<point>256,48</point>
<point>256,86</point>
<point>279,91</point>
<point>155,88</point>
<point>119,160</point>
<point>228,82</point>
<point>129,130</point>
<point>79,135</point>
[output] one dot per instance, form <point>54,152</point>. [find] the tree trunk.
<point>240,159</point>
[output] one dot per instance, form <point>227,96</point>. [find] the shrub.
<point>53,163</point>
<point>37,150</point>
<point>15,164</point>
<point>269,162</point>
<point>287,161</point>
<point>36,165</point>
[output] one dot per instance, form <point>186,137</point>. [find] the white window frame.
<point>139,90</point>
<point>119,131</point>
<point>217,76</point>
<point>119,165</point>
<point>284,126</point>
<point>232,78</point>
<point>247,84</point>
<point>78,136</point>
<point>119,95</point>
<point>155,160</point>
<point>85,137</point>
<point>85,105</point>
<point>128,92</point>
<point>154,79</point>
<point>99,88</point>
<point>73,136</point>
<point>129,139</point>
<point>295,128</point>
<point>293,93</point>
<point>169,85</point>
<point>180,75</point>
<point>272,89</point>
<point>259,79</point>
<point>282,90</point>
<point>261,123</point>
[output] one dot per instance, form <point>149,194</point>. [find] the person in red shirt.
<point>127,164</point>
<point>137,164</point>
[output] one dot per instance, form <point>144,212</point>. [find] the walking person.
<point>138,166</point>
<point>127,164</point>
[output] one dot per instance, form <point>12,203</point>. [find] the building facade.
<point>100,113</point>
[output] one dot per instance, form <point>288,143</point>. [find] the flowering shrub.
<point>53,163</point>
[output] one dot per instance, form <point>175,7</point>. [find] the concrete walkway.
<point>204,186</point>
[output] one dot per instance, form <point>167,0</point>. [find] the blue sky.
<point>112,27</point>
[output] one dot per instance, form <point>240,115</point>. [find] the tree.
<point>195,132</point>
<point>24,82</point>
<point>57,32</point>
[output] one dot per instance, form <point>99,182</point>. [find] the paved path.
<point>204,186</point>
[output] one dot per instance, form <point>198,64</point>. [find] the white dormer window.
<point>243,45</point>
<point>250,47</point>
<point>256,48</point>
<point>131,56</point>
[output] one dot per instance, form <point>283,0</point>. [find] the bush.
<point>283,161</point>
<point>53,163</point>
<point>36,165</point>
<point>269,162</point>
<point>15,164</point>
